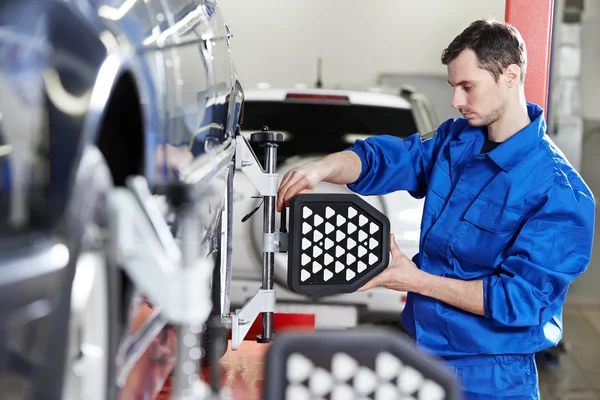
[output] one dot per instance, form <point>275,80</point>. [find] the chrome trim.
<point>204,168</point>
<point>39,262</point>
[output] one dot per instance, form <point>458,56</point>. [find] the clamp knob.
<point>264,136</point>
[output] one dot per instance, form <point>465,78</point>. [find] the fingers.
<point>369,285</point>
<point>394,247</point>
<point>396,253</point>
<point>283,187</point>
<point>300,185</point>
<point>294,184</point>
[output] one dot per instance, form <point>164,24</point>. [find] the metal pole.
<point>269,227</point>
<point>228,213</point>
<point>187,367</point>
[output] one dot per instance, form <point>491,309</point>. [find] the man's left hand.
<point>401,274</point>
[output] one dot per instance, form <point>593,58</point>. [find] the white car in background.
<point>316,122</point>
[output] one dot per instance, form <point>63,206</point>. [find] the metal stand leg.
<point>268,256</point>
<point>265,181</point>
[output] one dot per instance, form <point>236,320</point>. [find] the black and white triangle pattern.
<point>338,244</point>
<point>348,380</point>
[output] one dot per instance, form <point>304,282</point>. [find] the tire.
<point>215,336</point>
<point>95,306</point>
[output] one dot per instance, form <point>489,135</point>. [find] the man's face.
<point>477,96</point>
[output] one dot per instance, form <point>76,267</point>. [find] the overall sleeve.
<point>552,249</point>
<point>390,163</point>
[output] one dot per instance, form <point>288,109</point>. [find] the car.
<point>315,122</point>
<point>94,94</point>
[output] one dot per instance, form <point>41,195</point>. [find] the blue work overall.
<point>518,217</point>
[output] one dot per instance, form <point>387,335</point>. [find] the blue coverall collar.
<point>510,153</point>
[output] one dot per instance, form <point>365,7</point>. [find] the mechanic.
<point>507,223</point>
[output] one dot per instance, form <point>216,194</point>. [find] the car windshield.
<point>317,128</point>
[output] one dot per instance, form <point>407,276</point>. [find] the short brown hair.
<point>496,44</point>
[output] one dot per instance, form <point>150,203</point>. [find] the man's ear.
<point>513,75</point>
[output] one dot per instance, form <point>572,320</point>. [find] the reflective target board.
<point>337,243</point>
<point>348,365</point>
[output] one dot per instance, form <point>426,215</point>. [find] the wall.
<point>279,41</point>
<point>590,63</point>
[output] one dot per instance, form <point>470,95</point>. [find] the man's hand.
<point>341,168</point>
<point>302,179</point>
<point>401,274</point>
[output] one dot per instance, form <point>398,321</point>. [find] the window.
<point>317,128</point>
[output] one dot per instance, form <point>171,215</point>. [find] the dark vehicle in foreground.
<point>95,92</point>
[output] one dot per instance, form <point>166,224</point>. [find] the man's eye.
<point>468,88</point>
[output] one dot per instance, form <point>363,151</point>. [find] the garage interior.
<point>365,45</point>
<point>292,71</point>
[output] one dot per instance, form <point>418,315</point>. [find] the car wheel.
<point>215,336</point>
<point>95,300</point>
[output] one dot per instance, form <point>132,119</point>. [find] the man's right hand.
<point>302,179</point>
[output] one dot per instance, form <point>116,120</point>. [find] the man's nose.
<point>458,99</point>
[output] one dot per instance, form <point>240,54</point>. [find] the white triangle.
<point>339,236</point>
<point>305,243</point>
<point>343,367</point>
<point>387,365</point>
<point>388,391</point>
<point>374,228</point>
<point>351,244</point>
<point>298,368</point>
<point>362,220</point>
<point>351,228</point>
<point>339,252</point>
<point>320,382</point>
<point>316,267</point>
<point>361,267</point>
<point>317,236</point>
<point>340,220</point>
<point>305,259</point>
<point>362,236</point>
<point>328,259</point>
<point>328,243</point>
<point>361,251</point>
<point>373,243</point>
<point>431,391</point>
<point>339,267</point>
<point>327,275</point>
<point>304,275</point>
<point>365,381</point>
<point>317,252</point>
<point>372,259</point>
<point>306,212</point>
<point>350,259</point>
<point>318,220</point>
<point>351,212</point>
<point>306,228</point>
<point>341,392</point>
<point>298,392</point>
<point>328,228</point>
<point>409,380</point>
<point>350,274</point>
<point>329,212</point>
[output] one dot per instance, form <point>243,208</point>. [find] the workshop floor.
<point>576,376</point>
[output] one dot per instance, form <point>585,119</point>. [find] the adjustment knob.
<point>264,136</point>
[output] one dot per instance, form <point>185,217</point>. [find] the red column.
<point>534,19</point>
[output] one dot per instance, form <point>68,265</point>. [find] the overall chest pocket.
<point>485,231</point>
